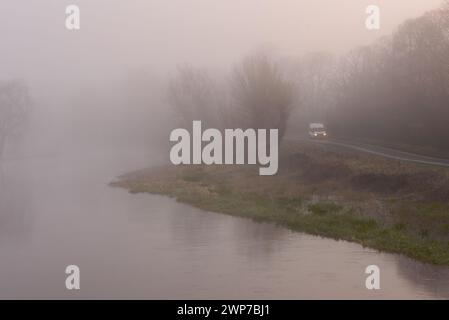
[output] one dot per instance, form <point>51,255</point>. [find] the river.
<point>58,211</point>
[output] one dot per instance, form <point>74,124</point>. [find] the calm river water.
<point>56,211</point>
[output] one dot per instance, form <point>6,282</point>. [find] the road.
<point>385,152</point>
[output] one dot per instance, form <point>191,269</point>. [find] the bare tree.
<point>261,94</point>
<point>195,95</point>
<point>14,103</point>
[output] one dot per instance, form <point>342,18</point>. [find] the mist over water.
<point>60,211</point>
<point>99,109</point>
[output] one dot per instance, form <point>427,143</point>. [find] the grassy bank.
<point>379,203</point>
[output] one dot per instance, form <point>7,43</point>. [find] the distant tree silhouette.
<point>261,95</point>
<point>14,107</point>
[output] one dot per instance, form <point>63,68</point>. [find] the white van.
<point>317,130</point>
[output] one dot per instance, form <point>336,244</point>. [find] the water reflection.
<point>427,278</point>
<point>55,212</point>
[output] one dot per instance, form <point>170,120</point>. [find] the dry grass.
<point>380,203</point>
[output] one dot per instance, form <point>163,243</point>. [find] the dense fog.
<point>107,82</point>
<point>81,110</point>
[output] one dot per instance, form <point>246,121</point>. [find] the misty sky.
<point>118,35</point>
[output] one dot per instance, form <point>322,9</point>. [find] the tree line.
<point>396,89</point>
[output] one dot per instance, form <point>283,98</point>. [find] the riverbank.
<point>322,190</point>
